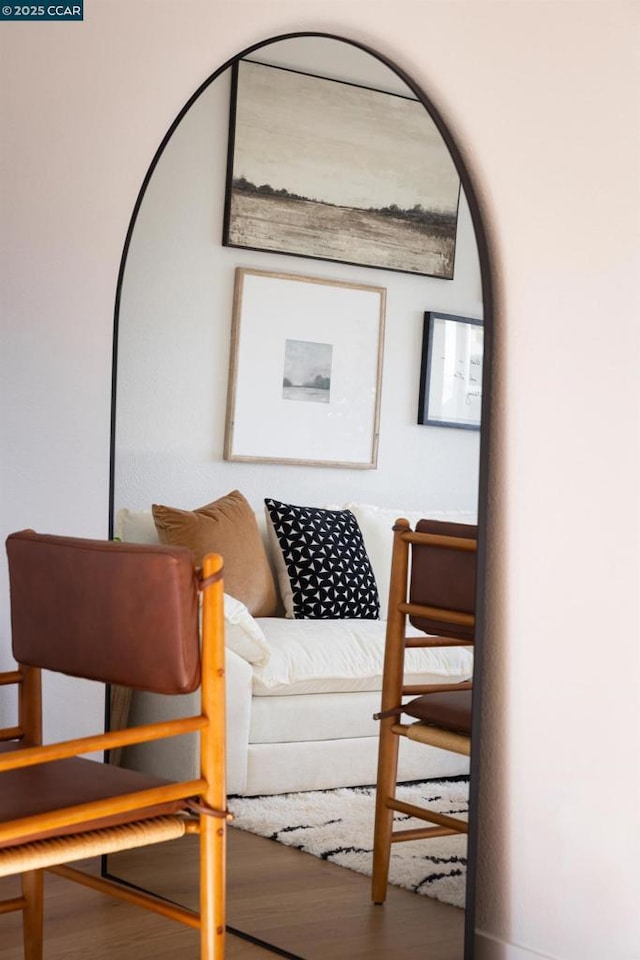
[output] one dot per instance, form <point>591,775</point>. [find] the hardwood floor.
<point>307,907</point>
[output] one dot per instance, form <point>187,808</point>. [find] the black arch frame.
<point>483,245</point>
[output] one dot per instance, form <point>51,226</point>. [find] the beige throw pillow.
<point>227,526</point>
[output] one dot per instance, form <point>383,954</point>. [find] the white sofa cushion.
<point>242,633</point>
<point>331,656</point>
<point>315,716</point>
<point>376,525</point>
<point>136,526</point>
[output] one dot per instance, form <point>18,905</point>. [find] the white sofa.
<point>301,694</point>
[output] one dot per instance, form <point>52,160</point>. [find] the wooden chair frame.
<point>207,816</point>
<point>394,694</point>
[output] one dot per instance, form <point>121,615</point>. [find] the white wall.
<point>543,97</point>
<point>175,325</point>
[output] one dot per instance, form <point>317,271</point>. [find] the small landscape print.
<point>307,371</point>
<point>330,170</point>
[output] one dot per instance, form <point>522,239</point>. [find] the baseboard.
<point>487,947</point>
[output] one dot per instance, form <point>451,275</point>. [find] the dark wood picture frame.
<point>283,193</point>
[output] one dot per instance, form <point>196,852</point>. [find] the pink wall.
<point>543,98</point>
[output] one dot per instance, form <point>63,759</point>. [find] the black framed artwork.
<point>312,172</point>
<point>451,371</point>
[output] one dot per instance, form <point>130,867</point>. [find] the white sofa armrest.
<point>239,674</point>
<point>177,757</point>
<point>174,757</point>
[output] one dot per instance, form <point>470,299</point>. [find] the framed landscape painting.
<point>334,171</point>
<point>305,370</point>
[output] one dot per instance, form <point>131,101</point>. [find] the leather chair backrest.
<point>114,612</point>
<point>443,577</point>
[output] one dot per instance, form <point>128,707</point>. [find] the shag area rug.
<point>337,825</point>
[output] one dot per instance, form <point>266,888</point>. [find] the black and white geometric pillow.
<point>326,563</point>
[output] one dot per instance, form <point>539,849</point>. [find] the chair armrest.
<point>8,677</point>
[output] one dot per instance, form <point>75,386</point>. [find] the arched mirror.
<point>306,223</point>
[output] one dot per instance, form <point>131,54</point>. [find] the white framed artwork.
<point>305,370</point>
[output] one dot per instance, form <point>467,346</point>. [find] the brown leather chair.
<point>433,572</point>
<point>124,614</point>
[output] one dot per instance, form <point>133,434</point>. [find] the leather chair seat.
<point>45,788</point>
<point>449,711</point>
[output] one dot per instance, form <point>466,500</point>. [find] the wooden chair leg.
<point>385,789</point>
<point>212,887</point>
<point>33,893</point>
